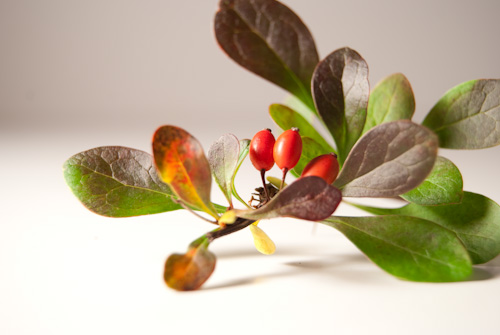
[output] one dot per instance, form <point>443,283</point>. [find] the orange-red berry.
<point>324,166</point>
<point>261,150</point>
<point>287,149</point>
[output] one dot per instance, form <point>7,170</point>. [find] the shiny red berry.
<point>261,150</point>
<point>324,166</point>
<point>287,149</point>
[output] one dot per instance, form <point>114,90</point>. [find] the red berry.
<point>261,150</point>
<point>324,166</point>
<point>287,149</point>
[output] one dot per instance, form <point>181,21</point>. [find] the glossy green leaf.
<point>286,118</point>
<point>392,99</point>
<point>340,90</point>
<point>223,158</point>
<point>118,182</point>
<point>408,247</point>
<point>468,116</point>
<point>310,149</point>
<point>182,164</point>
<point>444,185</point>
<point>244,149</point>
<point>187,272</point>
<point>309,198</point>
<point>388,160</point>
<point>267,38</point>
<point>476,221</point>
<point>297,105</point>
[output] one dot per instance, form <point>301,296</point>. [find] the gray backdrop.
<point>88,66</point>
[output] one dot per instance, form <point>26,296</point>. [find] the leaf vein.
<point>411,252</point>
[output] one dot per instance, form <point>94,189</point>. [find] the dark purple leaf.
<point>270,40</point>
<point>341,90</point>
<point>309,198</point>
<point>388,160</point>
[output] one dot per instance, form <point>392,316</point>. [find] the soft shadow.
<point>329,262</point>
<point>487,271</point>
<point>232,283</point>
<point>252,252</point>
<point>494,263</point>
<point>237,253</point>
<point>247,281</point>
<point>346,266</point>
<point>318,265</point>
<point>480,274</point>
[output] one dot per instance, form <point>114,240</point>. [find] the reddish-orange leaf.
<point>182,164</point>
<point>187,272</point>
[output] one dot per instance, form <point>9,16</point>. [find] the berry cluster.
<point>286,152</point>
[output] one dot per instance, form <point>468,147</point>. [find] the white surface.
<point>76,75</point>
<point>65,270</point>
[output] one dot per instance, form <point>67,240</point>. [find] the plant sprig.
<point>438,234</point>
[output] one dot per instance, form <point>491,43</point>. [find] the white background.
<point>80,74</point>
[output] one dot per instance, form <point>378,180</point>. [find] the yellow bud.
<point>228,217</point>
<point>262,242</point>
<point>275,181</point>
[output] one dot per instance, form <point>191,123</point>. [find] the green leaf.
<point>244,149</point>
<point>444,185</point>
<point>309,198</point>
<point>305,111</point>
<point>286,118</point>
<point>310,149</point>
<point>267,38</point>
<point>388,160</point>
<point>476,221</point>
<point>340,90</point>
<point>468,116</point>
<point>392,99</point>
<point>408,247</point>
<point>182,164</point>
<point>118,182</point>
<point>223,158</point>
<point>187,272</point>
